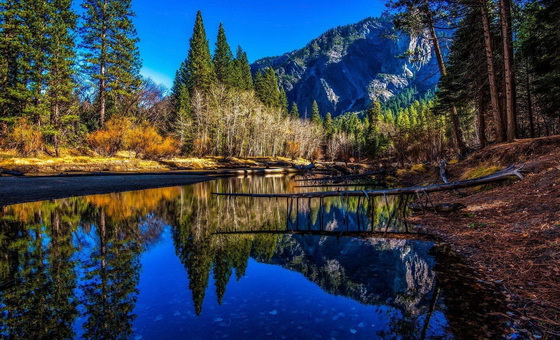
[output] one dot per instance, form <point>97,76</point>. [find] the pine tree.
<point>258,83</point>
<point>419,17</point>
<point>23,43</point>
<point>294,111</point>
<point>266,88</point>
<point>181,102</point>
<point>283,101</point>
<point>223,59</point>
<point>243,78</point>
<point>328,125</point>
<point>540,46</point>
<point>315,114</point>
<point>60,64</point>
<point>111,55</point>
<point>199,72</point>
<point>10,51</point>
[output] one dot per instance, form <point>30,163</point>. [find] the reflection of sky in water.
<point>127,265</point>
<point>267,301</point>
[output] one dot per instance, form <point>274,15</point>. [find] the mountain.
<point>347,67</point>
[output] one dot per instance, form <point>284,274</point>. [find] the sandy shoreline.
<point>15,190</point>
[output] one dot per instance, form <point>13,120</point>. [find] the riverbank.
<point>73,162</point>
<point>39,188</point>
<point>509,233</point>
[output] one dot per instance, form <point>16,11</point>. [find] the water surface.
<point>171,263</point>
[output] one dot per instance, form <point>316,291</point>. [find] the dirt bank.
<point>510,233</point>
<point>28,189</point>
<point>15,190</point>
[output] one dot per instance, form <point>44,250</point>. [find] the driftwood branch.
<point>340,178</point>
<point>339,185</point>
<point>496,177</point>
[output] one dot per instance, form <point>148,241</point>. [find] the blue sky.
<point>263,28</point>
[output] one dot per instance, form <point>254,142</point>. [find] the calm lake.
<point>181,263</point>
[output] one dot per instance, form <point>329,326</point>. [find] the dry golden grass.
<point>72,161</point>
<point>480,171</point>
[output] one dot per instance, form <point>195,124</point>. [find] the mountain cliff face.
<point>347,67</point>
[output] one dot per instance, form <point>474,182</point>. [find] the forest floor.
<point>509,233</point>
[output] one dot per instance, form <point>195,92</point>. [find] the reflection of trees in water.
<point>406,284</point>
<point>37,290</point>
<point>198,215</point>
<point>48,246</point>
<point>111,274</point>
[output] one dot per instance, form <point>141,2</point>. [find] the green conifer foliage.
<point>315,114</point>
<point>266,87</point>
<point>60,64</point>
<point>199,71</point>
<point>328,126</point>
<point>283,101</point>
<point>294,111</point>
<point>243,79</point>
<point>111,55</point>
<point>223,59</point>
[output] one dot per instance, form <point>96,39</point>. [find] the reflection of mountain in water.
<point>392,272</point>
<point>77,261</point>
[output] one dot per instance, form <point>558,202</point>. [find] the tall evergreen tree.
<point>294,111</point>
<point>266,87</point>
<point>181,102</point>
<point>243,78</point>
<point>328,125</point>
<point>60,64</point>
<point>22,65</point>
<point>539,42</point>
<point>198,69</point>
<point>283,101</point>
<point>418,17</point>
<point>315,114</point>
<point>223,59</point>
<point>111,55</point>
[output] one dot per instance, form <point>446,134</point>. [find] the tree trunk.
<point>456,125</point>
<point>102,70</point>
<point>55,121</point>
<point>480,122</point>
<point>509,79</point>
<point>492,82</point>
<point>530,104</point>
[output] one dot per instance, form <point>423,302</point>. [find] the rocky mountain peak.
<point>347,67</point>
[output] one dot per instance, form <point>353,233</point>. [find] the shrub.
<point>122,134</point>
<point>139,139</point>
<point>109,140</point>
<point>25,138</point>
<point>167,148</point>
<point>103,142</point>
<point>293,149</point>
<point>146,142</point>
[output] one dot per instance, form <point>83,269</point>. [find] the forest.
<point>71,83</point>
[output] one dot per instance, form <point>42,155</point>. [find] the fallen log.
<point>438,207</point>
<point>340,178</point>
<point>496,177</point>
<point>339,185</point>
